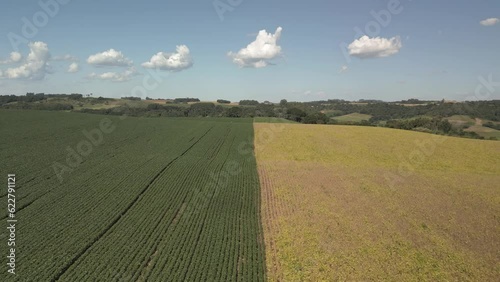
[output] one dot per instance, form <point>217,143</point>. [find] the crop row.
<point>157,200</point>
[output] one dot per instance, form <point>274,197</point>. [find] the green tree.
<point>295,114</point>
<point>201,109</point>
<point>444,126</point>
<point>316,118</point>
<point>234,112</point>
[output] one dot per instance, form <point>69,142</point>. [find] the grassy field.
<point>486,132</point>
<point>461,121</point>
<point>332,113</point>
<point>364,204</point>
<point>145,199</point>
<point>354,117</point>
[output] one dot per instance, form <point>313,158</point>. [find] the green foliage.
<point>489,110</point>
<point>414,101</point>
<point>132,98</point>
<point>186,100</point>
<point>492,125</point>
<point>201,109</point>
<point>222,101</point>
<point>295,114</point>
<point>248,103</point>
<point>316,118</point>
<point>40,106</point>
<point>234,112</point>
<point>433,124</point>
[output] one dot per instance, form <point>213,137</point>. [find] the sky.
<point>260,49</point>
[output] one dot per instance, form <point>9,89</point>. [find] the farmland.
<point>271,120</point>
<point>132,199</point>
<point>354,117</point>
<point>359,203</point>
<point>115,198</point>
<point>461,121</point>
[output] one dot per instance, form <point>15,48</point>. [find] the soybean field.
<point>108,198</point>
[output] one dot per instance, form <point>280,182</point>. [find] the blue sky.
<point>427,50</point>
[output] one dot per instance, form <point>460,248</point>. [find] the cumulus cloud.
<point>259,53</point>
<point>115,76</point>
<point>73,67</point>
<point>490,21</point>
<point>177,61</point>
<point>377,47</point>
<point>14,57</point>
<point>111,57</point>
<point>35,66</point>
<point>66,57</point>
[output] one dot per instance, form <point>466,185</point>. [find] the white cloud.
<point>115,76</point>
<point>180,60</point>
<point>66,57</point>
<point>343,69</point>
<point>259,53</point>
<point>14,57</point>
<point>35,66</point>
<point>490,21</point>
<point>109,58</point>
<point>73,67</point>
<point>377,47</point>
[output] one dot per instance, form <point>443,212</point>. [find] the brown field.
<point>361,203</point>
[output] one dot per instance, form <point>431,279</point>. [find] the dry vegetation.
<point>360,203</point>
